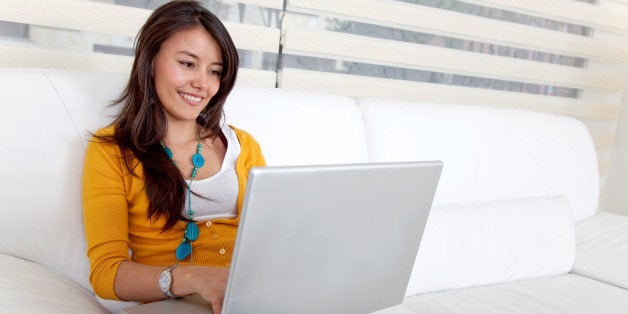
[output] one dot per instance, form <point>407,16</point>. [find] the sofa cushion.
<point>564,294</point>
<point>87,97</point>
<point>299,128</point>
<point>42,160</point>
<point>466,245</point>
<point>602,248</point>
<point>489,153</point>
<point>32,288</point>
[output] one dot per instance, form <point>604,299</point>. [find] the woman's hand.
<point>137,282</point>
<point>208,282</point>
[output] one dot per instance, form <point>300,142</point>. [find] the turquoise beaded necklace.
<point>191,230</point>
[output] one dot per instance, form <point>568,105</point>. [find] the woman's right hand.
<point>208,282</point>
<point>137,282</point>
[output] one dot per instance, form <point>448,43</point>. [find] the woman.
<point>163,184</point>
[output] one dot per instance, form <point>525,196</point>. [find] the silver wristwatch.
<point>165,282</point>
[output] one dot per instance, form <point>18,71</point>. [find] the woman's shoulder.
<point>247,141</point>
<point>103,139</point>
<point>106,131</point>
<point>243,136</point>
<point>251,149</point>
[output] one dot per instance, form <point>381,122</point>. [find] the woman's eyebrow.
<point>185,52</point>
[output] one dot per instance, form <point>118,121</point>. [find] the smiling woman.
<point>187,73</point>
<point>150,233</point>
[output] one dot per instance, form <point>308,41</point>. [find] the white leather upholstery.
<point>474,244</point>
<point>29,287</point>
<point>86,96</point>
<point>299,128</point>
<point>495,203</point>
<point>489,153</point>
<point>565,294</point>
<point>602,245</point>
<point>497,164</point>
<point>42,159</point>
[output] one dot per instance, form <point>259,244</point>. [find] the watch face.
<point>164,281</point>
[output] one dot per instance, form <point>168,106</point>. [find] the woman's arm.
<point>105,215</point>
<point>139,282</point>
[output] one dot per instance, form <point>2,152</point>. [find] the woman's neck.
<point>181,133</point>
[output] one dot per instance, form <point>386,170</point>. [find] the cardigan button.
<point>208,224</point>
<point>222,251</point>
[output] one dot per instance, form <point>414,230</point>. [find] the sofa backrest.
<point>299,128</point>
<point>45,117</point>
<point>489,153</point>
<point>513,184</point>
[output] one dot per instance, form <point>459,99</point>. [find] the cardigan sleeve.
<point>105,215</point>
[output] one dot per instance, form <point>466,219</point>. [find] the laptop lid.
<point>329,239</point>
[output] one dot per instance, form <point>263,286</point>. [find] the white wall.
<point>615,198</point>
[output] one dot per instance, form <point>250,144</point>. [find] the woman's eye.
<point>215,73</point>
<point>187,64</point>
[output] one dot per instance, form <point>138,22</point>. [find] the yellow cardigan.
<point>115,217</point>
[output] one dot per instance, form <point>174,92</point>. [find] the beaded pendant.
<point>191,230</point>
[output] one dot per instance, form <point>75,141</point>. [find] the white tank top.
<point>221,189</point>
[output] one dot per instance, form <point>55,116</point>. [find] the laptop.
<point>323,239</point>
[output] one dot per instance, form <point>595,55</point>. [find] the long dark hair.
<point>141,124</point>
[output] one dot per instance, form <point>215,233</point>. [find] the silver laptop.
<point>324,239</point>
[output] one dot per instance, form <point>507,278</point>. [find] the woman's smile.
<point>191,99</point>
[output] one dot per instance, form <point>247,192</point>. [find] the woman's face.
<point>186,72</point>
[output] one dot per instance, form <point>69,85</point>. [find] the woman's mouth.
<point>193,100</point>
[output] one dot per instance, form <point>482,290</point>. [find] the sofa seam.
<point>67,111</point>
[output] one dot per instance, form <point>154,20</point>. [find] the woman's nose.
<point>200,81</point>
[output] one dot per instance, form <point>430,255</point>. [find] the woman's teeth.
<point>190,97</point>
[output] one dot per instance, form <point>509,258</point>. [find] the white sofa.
<point>514,226</point>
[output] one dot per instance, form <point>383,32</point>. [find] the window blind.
<point>567,57</point>
<point>97,23</point>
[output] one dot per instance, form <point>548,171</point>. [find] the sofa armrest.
<point>29,287</point>
<point>602,248</point>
